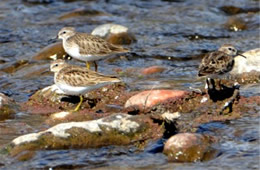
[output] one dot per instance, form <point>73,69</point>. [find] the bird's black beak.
<point>53,39</point>
<point>241,55</point>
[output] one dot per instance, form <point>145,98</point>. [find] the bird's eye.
<point>64,32</point>
<point>230,49</point>
<point>55,65</point>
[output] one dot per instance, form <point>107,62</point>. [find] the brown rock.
<point>80,12</point>
<point>188,147</point>
<point>152,70</point>
<point>150,98</point>
<point>53,51</point>
<point>236,24</point>
<point>6,106</point>
<point>124,38</point>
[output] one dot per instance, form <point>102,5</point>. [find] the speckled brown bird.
<point>76,80</point>
<point>218,63</point>
<point>86,47</point>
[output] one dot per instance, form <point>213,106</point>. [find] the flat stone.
<point>150,98</point>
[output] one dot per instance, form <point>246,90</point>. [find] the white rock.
<point>105,29</point>
<point>250,63</point>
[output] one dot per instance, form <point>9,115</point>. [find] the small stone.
<point>150,98</point>
<point>152,70</point>
<point>60,115</point>
<point>6,106</point>
<point>187,147</point>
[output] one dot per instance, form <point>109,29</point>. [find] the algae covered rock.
<point>116,129</point>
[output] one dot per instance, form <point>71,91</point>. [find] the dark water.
<point>170,33</point>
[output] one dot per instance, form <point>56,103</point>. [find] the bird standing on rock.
<point>76,80</point>
<point>218,64</point>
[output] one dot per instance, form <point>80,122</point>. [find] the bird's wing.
<point>93,45</point>
<point>79,76</point>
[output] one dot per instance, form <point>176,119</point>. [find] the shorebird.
<point>218,64</point>
<point>76,80</point>
<point>86,47</point>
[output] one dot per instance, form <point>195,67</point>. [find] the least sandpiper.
<point>76,80</point>
<point>218,63</point>
<point>86,47</point>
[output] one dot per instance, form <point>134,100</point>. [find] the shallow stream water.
<point>169,33</point>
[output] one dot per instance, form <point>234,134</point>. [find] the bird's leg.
<point>79,104</point>
<point>220,84</point>
<point>210,84</point>
<point>87,65</point>
<point>96,66</point>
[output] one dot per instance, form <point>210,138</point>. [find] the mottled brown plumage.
<point>81,76</point>
<point>218,63</point>
<point>75,80</point>
<point>93,45</point>
<point>70,77</point>
<point>86,47</point>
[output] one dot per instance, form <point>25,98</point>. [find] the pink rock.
<point>152,97</point>
<point>152,70</point>
<point>188,147</point>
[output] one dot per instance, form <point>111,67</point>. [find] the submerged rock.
<point>115,34</point>
<point>116,129</point>
<point>188,147</point>
<point>81,12</point>
<point>152,70</point>
<point>232,10</point>
<point>242,22</point>
<point>52,52</point>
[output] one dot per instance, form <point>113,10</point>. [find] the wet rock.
<point>116,129</point>
<point>236,24</point>
<point>51,52</point>
<point>14,67</point>
<point>7,106</point>
<point>147,99</point>
<point>242,22</point>
<point>152,70</point>
<point>250,63</point>
<point>114,33</point>
<point>232,10</point>
<point>81,12</point>
<point>51,99</point>
<point>188,147</point>
<point>39,1</point>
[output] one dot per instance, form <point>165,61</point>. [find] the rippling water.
<point>170,33</point>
